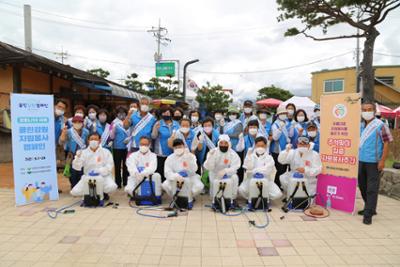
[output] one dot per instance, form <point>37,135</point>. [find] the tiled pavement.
<point>120,237</point>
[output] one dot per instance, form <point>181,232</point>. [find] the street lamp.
<point>184,76</point>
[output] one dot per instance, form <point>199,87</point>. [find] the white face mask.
<point>302,149</point>
<point>247,110</point>
<point>194,119</point>
<point>218,117</point>
<point>367,115</point>
<point>253,131</point>
<point>262,116</point>
<point>301,118</point>
<point>133,109</point>
<point>144,108</point>
<point>77,126</point>
<point>79,114</point>
<point>93,144</point>
<point>317,113</point>
<point>312,134</point>
<point>179,151</point>
<point>290,111</point>
<point>282,117</point>
<point>232,117</point>
<point>102,118</point>
<point>184,130</point>
<point>208,129</point>
<point>260,150</point>
<point>92,115</point>
<point>59,112</point>
<point>143,149</point>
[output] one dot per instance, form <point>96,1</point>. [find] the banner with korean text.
<point>33,145</point>
<point>340,137</point>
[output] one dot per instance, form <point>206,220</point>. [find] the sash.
<point>231,125</point>
<point>262,129</point>
<point>159,148</point>
<point>209,142</point>
<point>317,123</point>
<point>138,127</point>
<point>78,140</point>
<point>371,127</point>
<point>105,135</point>
<point>284,131</point>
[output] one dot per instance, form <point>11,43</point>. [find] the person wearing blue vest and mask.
<point>91,121</point>
<point>299,125</point>
<point>373,151</point>
<point>313,135</point>
<point>219,121</point>
<point>142,123</point>
<point>162,131</point>
<point>59,121</point>
<point>185,133</point>
<point>104,128</point>
<point>264,124</point>
<point>234,127</point>
<point>247,113</point>
<point>252,132</point>
<point>280,138</point>
<point>194,117</point>
<point>119,135</point>
<point>177,115</point>
<point>74,139</point>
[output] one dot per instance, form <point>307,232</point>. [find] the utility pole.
<point>28,28</point>
<point>358,87</point>
<point>160,34</point>
<point>62,55</point>
<point>184,76</point>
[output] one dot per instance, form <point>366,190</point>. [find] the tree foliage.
<point>274,92</point>
<point>363,15</point>
<point>162,88</point>
<point>99,72</point>
<point>212,97</point>
<point>133,83</point>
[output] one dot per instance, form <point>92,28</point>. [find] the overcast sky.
<point>226,35</point>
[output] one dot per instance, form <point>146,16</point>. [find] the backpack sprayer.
<point>147,195</point>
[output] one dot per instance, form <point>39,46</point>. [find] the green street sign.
<point>164,69</point>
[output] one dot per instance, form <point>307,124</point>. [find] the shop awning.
<point>120,91</point>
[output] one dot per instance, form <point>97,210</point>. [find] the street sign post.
<point>164,69</point>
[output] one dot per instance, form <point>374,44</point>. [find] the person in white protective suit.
<point>260,166</point>
<point>94,160</point>
<point>181,166</point>
<point>141,164</point>
<point>304,161</point>
<point>223,163</point>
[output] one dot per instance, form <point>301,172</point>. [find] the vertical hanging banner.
<point>33,145</point>
<point>339,142</point>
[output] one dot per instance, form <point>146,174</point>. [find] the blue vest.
<point>164,133</point>
<point>282,142</point>
<point>58,125</point>
<point>119,137</point>
<point>71,145</point>
<point>189,139</point>
<point>249,142</point>
<point>146,131</point>
<point>267,128</point>
<point>234,140</point>
<point>316,142</point>
<point>296,133</point>
<point>372,149</point>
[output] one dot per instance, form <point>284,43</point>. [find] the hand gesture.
<point>288,147</point>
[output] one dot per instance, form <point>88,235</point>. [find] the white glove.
<point>288,147</point>
<point>201,138</point>
<point>212,151</point>
<point>138,177</point>
<point>282,124</point>
<point>221,173</point>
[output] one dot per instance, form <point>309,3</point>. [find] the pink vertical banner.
<point>336,192</point>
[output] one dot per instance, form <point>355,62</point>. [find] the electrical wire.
<point>54,213</point>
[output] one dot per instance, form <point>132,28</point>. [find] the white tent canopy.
<point>301,102</point>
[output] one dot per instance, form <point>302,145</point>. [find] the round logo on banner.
<point>339,111</point>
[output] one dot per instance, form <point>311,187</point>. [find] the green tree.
<point>212,97</point>
<point>99,72</point>
<point>133,83</point>
<point>363,15</point>
<point>162,88</point>
<point>274,92</point>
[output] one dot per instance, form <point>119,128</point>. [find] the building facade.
<point>387,83</point>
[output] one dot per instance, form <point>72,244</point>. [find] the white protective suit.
<point>139,166</point>
<point>99,161</point>
<point>310,161</point>
<point>263,164</point>
<point>174,164</point>
<point>220,164</point>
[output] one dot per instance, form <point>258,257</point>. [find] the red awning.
<point>269,102</point>
<point>385,111</point>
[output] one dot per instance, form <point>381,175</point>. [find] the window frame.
<point>333,80</point>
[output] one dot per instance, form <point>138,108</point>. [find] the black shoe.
<point>361,213</point>
<point>367,220</point>
<point>106,197</point>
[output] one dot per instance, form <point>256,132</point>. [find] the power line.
<point>387,55</point>
<point>160,34</point>
<point>272,70</point>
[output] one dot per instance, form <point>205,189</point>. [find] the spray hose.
<point>53,213</point>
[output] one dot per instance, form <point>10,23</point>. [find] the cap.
<point>303,140</point>
<point>77,119</point>
<point>233,109</point>
<point>248,102</point>
<point>281,110</point>
<point>311,124</point>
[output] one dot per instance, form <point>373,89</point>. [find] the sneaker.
<point>106,197</point>
<point>367,220</point>
<point>361,213</point>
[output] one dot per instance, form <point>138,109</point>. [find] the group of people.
<point>173,145</point>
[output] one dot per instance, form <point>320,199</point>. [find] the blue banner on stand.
<point>33,145</point>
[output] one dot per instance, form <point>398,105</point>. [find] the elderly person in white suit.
<point>223,163</point>
<point>95,161</point>
<point>259,163</point>
<point>141,164</point>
